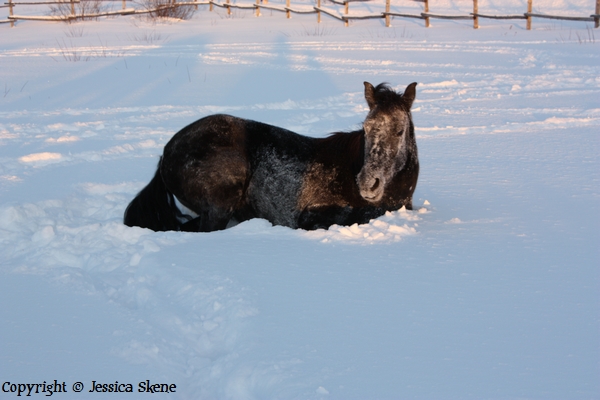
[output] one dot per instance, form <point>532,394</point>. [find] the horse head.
<point>388,138</point>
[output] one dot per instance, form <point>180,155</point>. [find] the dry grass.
<point>84,9</point>
<point>166,9</point>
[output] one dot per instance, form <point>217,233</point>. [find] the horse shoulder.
<point>330,179</point>
<point>322,186</point>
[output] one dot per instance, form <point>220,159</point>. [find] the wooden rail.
<point>344,16</point>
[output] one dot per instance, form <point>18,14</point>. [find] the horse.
<point>222,170</point>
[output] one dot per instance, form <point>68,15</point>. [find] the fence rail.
<point>318,9</point>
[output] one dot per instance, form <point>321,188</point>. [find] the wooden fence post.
<point>346,12</point>
<point>387,15</point>
<point>529,9</point>
<point>72,9</point>
<point>124,4</point>
<point>288,14</point>
<point>10,13</point>
<point>228,8</point>
<point>319,12</point>
<point>257,8</point>
<point>596,18</point>
<point>426,11</point>
<point>475,17</point>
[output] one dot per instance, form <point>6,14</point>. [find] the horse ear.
<point>370,95</point>
<point>410,93</point>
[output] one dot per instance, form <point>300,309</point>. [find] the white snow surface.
<point>489,288</point>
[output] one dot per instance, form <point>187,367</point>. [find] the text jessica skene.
<point>48,389</point>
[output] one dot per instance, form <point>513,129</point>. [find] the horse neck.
<point>344,149</point>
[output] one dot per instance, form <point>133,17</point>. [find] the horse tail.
<point>153,207</point>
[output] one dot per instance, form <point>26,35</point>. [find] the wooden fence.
<point>344,16</point>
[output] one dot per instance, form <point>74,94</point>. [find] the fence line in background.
<point>318,9</point>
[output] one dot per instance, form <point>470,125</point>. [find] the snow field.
<point>488,289</point>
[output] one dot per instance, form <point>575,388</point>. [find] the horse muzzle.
<point>371,189</point>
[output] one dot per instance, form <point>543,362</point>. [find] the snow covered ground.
<point>488,289</point>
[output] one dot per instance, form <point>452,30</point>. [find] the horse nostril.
<point>376,185</point>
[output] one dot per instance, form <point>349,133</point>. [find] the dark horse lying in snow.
<point>222,169</point>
